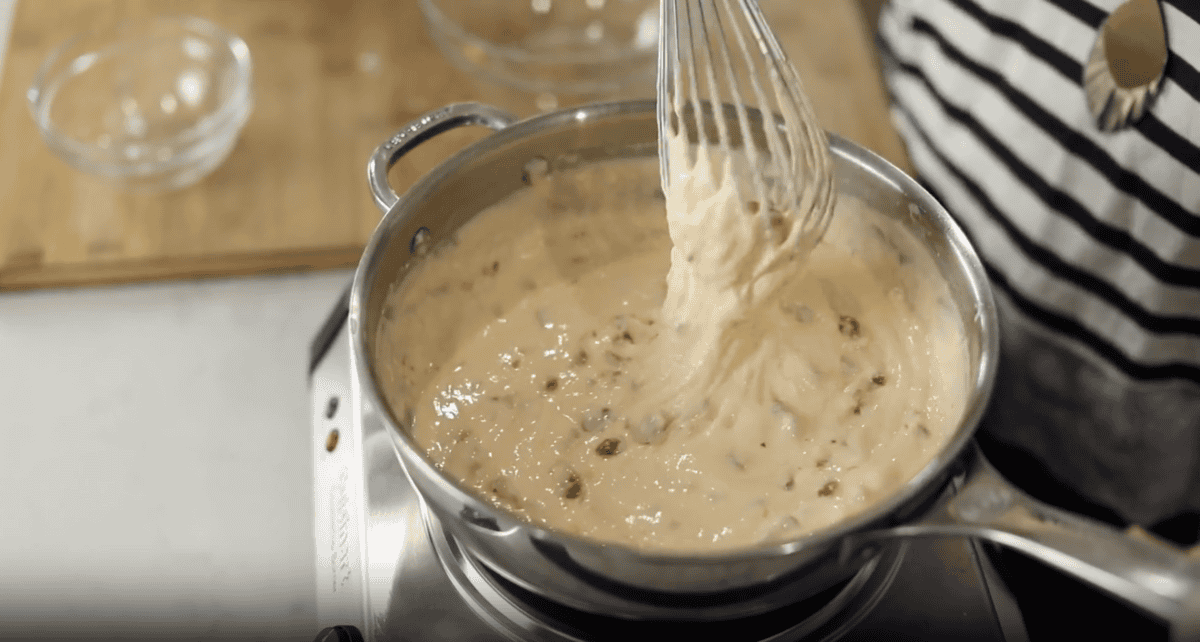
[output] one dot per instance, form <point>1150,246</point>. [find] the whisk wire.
<point>666,85</point>
<point>798,117</point>
<point>705,80</point>
<point>750,149</point>
<point>700,26</point>
<point>776,147</point>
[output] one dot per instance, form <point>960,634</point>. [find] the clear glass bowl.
<point>551,49</point>
<point>154,104</point>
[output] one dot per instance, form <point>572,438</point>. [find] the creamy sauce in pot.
<point>534,360</point>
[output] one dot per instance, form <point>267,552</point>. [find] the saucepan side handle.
<point>1154,576</point>
<point>420,130</point>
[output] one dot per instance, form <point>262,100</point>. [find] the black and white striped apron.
<point>1091,239</point>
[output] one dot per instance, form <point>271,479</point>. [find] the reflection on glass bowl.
<point>154,104</point>
<point>552,50</point>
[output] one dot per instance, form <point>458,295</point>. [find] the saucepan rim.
<point>936,472</point>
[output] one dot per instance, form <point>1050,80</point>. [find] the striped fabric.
<point>1091,239</point>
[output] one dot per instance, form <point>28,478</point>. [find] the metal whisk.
<point>725,83</point>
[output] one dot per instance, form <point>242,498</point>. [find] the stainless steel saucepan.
<point>956,494</point>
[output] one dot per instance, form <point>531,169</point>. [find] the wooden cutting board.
<point>332,79</point>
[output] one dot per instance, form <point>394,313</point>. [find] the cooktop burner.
<point>835,609</point>
<point>388,571</point>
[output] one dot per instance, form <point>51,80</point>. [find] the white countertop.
<point>155,475</point>
<point>157,463</point>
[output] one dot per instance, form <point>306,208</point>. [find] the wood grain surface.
<point>332,79</point>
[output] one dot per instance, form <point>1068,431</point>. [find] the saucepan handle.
<point>420,130</point>
<point>1154,576</point>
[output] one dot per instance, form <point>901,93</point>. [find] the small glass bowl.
<point>551,49</point>
<point>152,104</point>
